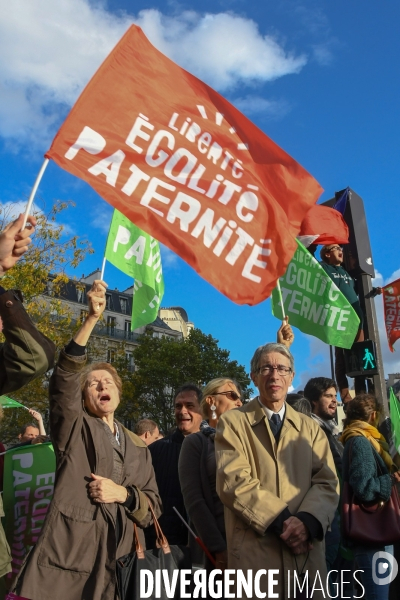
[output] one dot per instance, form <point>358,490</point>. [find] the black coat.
<point>165,455</point>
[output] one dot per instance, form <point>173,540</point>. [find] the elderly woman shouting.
<point>104,479</point>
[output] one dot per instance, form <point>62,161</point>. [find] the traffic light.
<point>361,359</point>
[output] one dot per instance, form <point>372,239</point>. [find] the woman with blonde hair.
<point>371,473</point>
<point>197,469</point>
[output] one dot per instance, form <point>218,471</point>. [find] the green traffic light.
<point>368,358</point>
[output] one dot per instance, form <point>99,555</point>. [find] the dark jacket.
<point>165,456</point>
<point>360,470</point>
<point>26,353</point>
<point>75,556</point>
<point>335,446</point>
<point>346,284</point>
<point>197,494</point>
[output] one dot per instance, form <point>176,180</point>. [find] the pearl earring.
<point>213,408</point>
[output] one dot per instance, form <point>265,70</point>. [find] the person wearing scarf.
<point>369,469</point>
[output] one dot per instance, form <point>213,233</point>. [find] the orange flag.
<point>391,306</point>
<point>188,168</point>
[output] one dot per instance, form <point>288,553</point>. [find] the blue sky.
<point>321,78</point>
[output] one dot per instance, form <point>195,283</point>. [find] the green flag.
<point>29,477</point>
<point>137,254</point>
<point>6,402</point>
<point>394,406</point>
<point>313,302</point>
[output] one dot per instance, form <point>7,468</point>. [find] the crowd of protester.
<point>258,480</point>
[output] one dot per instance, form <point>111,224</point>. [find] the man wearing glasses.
<point>277,480</point>
<point>332,259</point>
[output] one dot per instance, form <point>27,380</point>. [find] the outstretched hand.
<point>97,298</point>
<point>97,303</point>
<point>285,334</point>
<point>14,242</point>
<point>35,414</point>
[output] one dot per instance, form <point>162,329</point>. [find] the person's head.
<point>321,392</point>
<point>101,389</point>
<point>28,433</point>
<point>293,397</point>
<point>187,408</point>
<point>272,371</point>
<point>300,404</point>
<point>223,393</point>
<point>332,254</point>
<point>363,407</point>
<point>148,431</point>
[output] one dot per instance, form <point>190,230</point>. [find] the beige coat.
<point>258,478</point>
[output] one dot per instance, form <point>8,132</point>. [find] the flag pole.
<point>33,192</point>
<point>103,266</point>
<point>197,539</point>
<point>278,287</point>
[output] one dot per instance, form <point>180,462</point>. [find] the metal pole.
<point>372,333</point>
<point>332,363</point>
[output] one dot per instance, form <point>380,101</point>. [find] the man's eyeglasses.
<point>335,248</point>
<point>268,369</point>
<point>231,395</point>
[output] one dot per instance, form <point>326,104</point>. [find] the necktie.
<point>275,423</point>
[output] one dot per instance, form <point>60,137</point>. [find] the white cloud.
<point>274,109</point>
<point>170,260</point>
<point>323,54</point>
<point>317,362</point>
<point>50,50</point>
<point>102,220</point>
<point>11,210</point>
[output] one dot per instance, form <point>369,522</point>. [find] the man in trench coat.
<point>277,480</point>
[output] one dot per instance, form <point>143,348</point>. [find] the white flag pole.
<point>103,266</point>
<point>278,287</point>
<point>33,192</point>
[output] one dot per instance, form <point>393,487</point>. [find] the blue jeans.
<point>363,560</point>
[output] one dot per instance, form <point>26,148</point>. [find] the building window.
<point>108,301</point>
<point>124,305</point>
<point>81,295</point>
<point>111,323</point>
<point>131,363</point>
<point>110,356</point>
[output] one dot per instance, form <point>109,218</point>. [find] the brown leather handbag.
<point>166,559</point>
<point>375,523</point>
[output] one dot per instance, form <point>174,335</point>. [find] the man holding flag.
<point>332,260</point>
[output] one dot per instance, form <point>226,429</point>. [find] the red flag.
<point>391,305</point>
<point>327,223</point>
<point>186,166</point>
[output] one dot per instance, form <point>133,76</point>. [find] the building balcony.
<point>117,334</point>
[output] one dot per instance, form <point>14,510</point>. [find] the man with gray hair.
<point>277,480</point>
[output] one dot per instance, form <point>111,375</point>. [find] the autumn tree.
<point>163,364</point>
<point>40,275</point>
